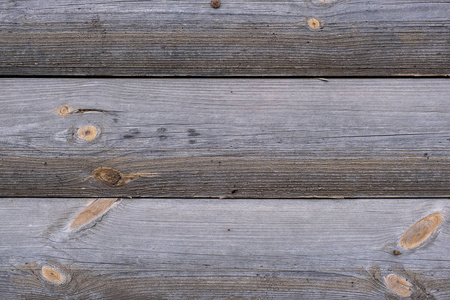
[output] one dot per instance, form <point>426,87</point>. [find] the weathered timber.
<point>246,38</point>
<point>263,138</point>
<point>223,249</point>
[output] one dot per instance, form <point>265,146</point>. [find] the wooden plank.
<point>245,38</point>
<point>224,249</point>
<point>268,138</point>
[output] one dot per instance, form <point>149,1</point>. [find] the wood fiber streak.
<point>240,138</point>
<point>241,38</point>
<point>228,249</point>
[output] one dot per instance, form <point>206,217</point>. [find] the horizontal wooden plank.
<point>245,38</point>
<point>224,249</point>
<point>266,138</point>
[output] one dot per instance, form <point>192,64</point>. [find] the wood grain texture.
<point>222,249</point>
<point>245,38</point>
<point>268,138</point>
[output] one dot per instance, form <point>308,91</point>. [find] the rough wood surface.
<point>247,38</point>
<point>263,138</point>
<point>221,249</point>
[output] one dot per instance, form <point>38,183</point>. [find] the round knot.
<point>109,176</point>
<point>215,3</point>
<point>314,24</point>
<point>87,133</point>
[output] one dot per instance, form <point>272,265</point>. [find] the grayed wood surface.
<point>248,38</point>
<point>263,138</point>
<point>220,249</point>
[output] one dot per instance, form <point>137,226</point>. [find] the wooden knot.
<point>398,285</point>
<point>215,3</point>
<point>314,24</point>
<point>110,176</point>
<point>116,178</point>
<point>87,133</point>
<point>53,275</point>
<point>421,231</point>
<point>396,252</point>
<point>65,110</point>
<point>92,212</point>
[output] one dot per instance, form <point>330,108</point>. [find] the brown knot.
<point>110,176</point>
<point>398,285</point>
<point>53,275</point>
<point>314,24</point>
<point>215,3</point>
<point>418,233</point>
<point>65,110</point>
<point>87,133</point>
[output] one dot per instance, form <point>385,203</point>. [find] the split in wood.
<point>116,178</point>
<point>417,234</point>
<point>92,212</point>
<point>66,110</point>
<point>398,285</point>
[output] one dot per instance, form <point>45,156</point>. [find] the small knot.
<point>87,133</point>
<point>110,176</point>
<point>115,178</point>
<point>65,110</point>
<point>314,24</point>
<point>215,3</point>
<point>53,275</point>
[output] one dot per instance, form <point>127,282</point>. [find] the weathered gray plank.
<point>221,249</point>
<point>249,38</point>
<point>231,138</point>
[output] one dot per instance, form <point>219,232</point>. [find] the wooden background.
<point>265,138</point>
<point>296,158</point>
<point>244,38</point>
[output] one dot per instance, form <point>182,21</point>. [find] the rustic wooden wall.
<point>298,163</point>
<point>224,249</point>
<point>264,138</point>
<point>247,38</point>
